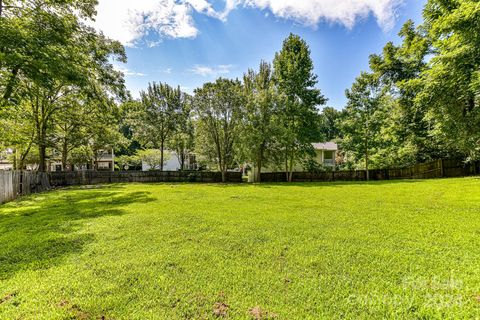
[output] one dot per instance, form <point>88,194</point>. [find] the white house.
<point>5,164</point>
<point>326,153</point>
<point>173,164</point>
<point>105,161</point>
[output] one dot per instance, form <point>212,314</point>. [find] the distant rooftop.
<point>331,146</point>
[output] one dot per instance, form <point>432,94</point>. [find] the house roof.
<point>330,146</point>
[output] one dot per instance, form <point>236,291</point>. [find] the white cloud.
<point>129,72</point>
<point>214,71</point>
<point>345,12</point>
<point>129,21</point>
<point>132,21</point>
<point>166,70</point>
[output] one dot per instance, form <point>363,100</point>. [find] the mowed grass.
<point>407,249</point>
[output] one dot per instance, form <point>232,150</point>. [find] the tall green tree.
<point>295,80</point>
<point>218,109</point>
<point>407,127</point>
<point>36,42</point>
<point>450,86</point>
<point>259,128</point>
<point>330,119</point>
<point>155,122</point>
<point>182,140</point>
<point>48,53</point>
<point>363,117</point>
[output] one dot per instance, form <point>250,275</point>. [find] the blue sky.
<point>191,42</point>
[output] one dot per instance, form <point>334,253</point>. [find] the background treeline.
<point>270,118</point>
<point>420,99</point>
<point>60,96</point>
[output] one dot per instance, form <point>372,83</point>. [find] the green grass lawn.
<point>408,249</point>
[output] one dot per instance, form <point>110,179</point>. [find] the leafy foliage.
<point>298,100</point>
<point>218,108</point>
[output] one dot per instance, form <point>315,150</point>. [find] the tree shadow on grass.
<point>316,184</point>
<point>39,231</point>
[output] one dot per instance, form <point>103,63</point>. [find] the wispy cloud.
<point>345,12</point>
<point>129,72</point>
<point>132,22</point>
<point>166,70</point>
<point>206,71</point>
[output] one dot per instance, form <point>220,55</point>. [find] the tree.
<point>153,158</point>
<point>104,137</point>
<point>363,115</point>
<point>48,53</point>
<point>182,140</point>
<point>450,86</point>
<point>40,40</point>
<point>330,123</point>
<point>218,108</point>
<point>258,126</point>
<point>295,80</point>
<point>18,133</point>
<point>155,122</point>
<point>408,129</point>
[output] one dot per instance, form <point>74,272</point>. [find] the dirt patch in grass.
<point>8,297</point>
<point>77,312</point>
<point>258,314</point>
<point>220,309</point>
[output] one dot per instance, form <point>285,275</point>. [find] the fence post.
<point>440,163</point>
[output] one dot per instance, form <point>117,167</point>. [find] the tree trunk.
<point>290,168</point>
<point>15,151</point>
<point>366,166</point>
<point>286,164</point>
<point>224,176</point>
<point>42,167</point>
<point>161,156</point>
<point>182,162</point>
<point>64,155</point>
<point>259,169</point>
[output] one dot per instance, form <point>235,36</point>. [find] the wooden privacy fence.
<point>59,179</point>
<point>430,170</point>
<point>16,183</point>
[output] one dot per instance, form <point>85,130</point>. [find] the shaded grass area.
<point>408,249</point>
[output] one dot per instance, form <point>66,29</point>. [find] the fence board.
<point>14,183</point>
<point>435,169</point>
<point>99,177</point>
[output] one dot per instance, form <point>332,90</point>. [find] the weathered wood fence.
<point>16,183</point>
<point>430,170</point>
<point>61,179</point>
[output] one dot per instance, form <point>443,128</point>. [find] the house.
<point>326,153</point>
<point>173,164</point>
<point>5,164</point>
<point>325,156</point>
<point>104,161</point>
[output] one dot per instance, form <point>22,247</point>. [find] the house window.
<point>103,165</point>
<point>328,155</point>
